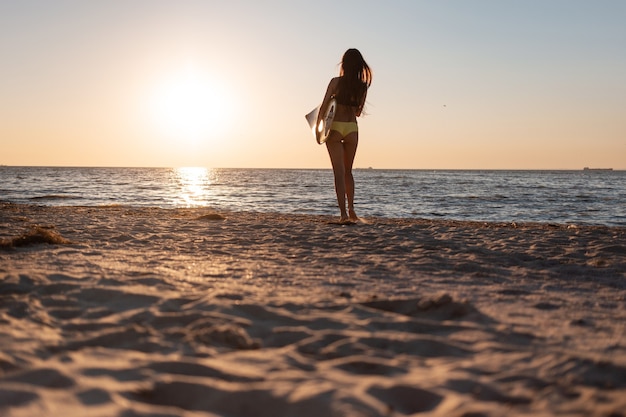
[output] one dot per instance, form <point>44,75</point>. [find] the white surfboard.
<point>322,129</point>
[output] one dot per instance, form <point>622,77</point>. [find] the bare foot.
<point>346,220</point>
<point>353,216</point>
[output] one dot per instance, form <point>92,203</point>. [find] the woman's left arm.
<point>330,91</point>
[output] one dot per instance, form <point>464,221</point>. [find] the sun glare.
<point>190,106</point>
<point>194,185</point>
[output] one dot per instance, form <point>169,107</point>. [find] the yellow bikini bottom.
<point>344,128</point>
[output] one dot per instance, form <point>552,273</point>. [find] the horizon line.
<point>319,168</point>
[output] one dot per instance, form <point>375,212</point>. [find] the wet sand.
<point>116,311</point>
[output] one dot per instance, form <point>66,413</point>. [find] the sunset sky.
<point>458,84</point>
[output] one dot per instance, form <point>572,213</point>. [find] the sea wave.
<point>499,196</point>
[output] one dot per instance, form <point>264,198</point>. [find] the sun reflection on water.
<point>194,183</point>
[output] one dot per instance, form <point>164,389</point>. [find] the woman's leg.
<point>350,143</point>
<point>337,159</point>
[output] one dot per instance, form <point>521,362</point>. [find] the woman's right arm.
<point>359,109</point>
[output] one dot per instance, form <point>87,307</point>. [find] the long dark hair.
<point>356,77</point>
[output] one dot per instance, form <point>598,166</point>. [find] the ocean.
<point>578,197</point>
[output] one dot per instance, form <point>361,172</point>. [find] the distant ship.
<point>597,169</point>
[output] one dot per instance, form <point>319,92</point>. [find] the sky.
<point>457,84</point>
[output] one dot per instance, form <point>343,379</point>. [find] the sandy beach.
<point>117,311</point>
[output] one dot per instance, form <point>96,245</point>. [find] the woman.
<point>349,91</point>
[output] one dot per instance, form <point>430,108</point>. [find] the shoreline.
<point>203,312</point>
<point>313,217</point>
<point>493,196</point>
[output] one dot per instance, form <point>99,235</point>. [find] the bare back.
<point>343,113</point>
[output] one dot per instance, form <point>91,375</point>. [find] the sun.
<point>190,105</point>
